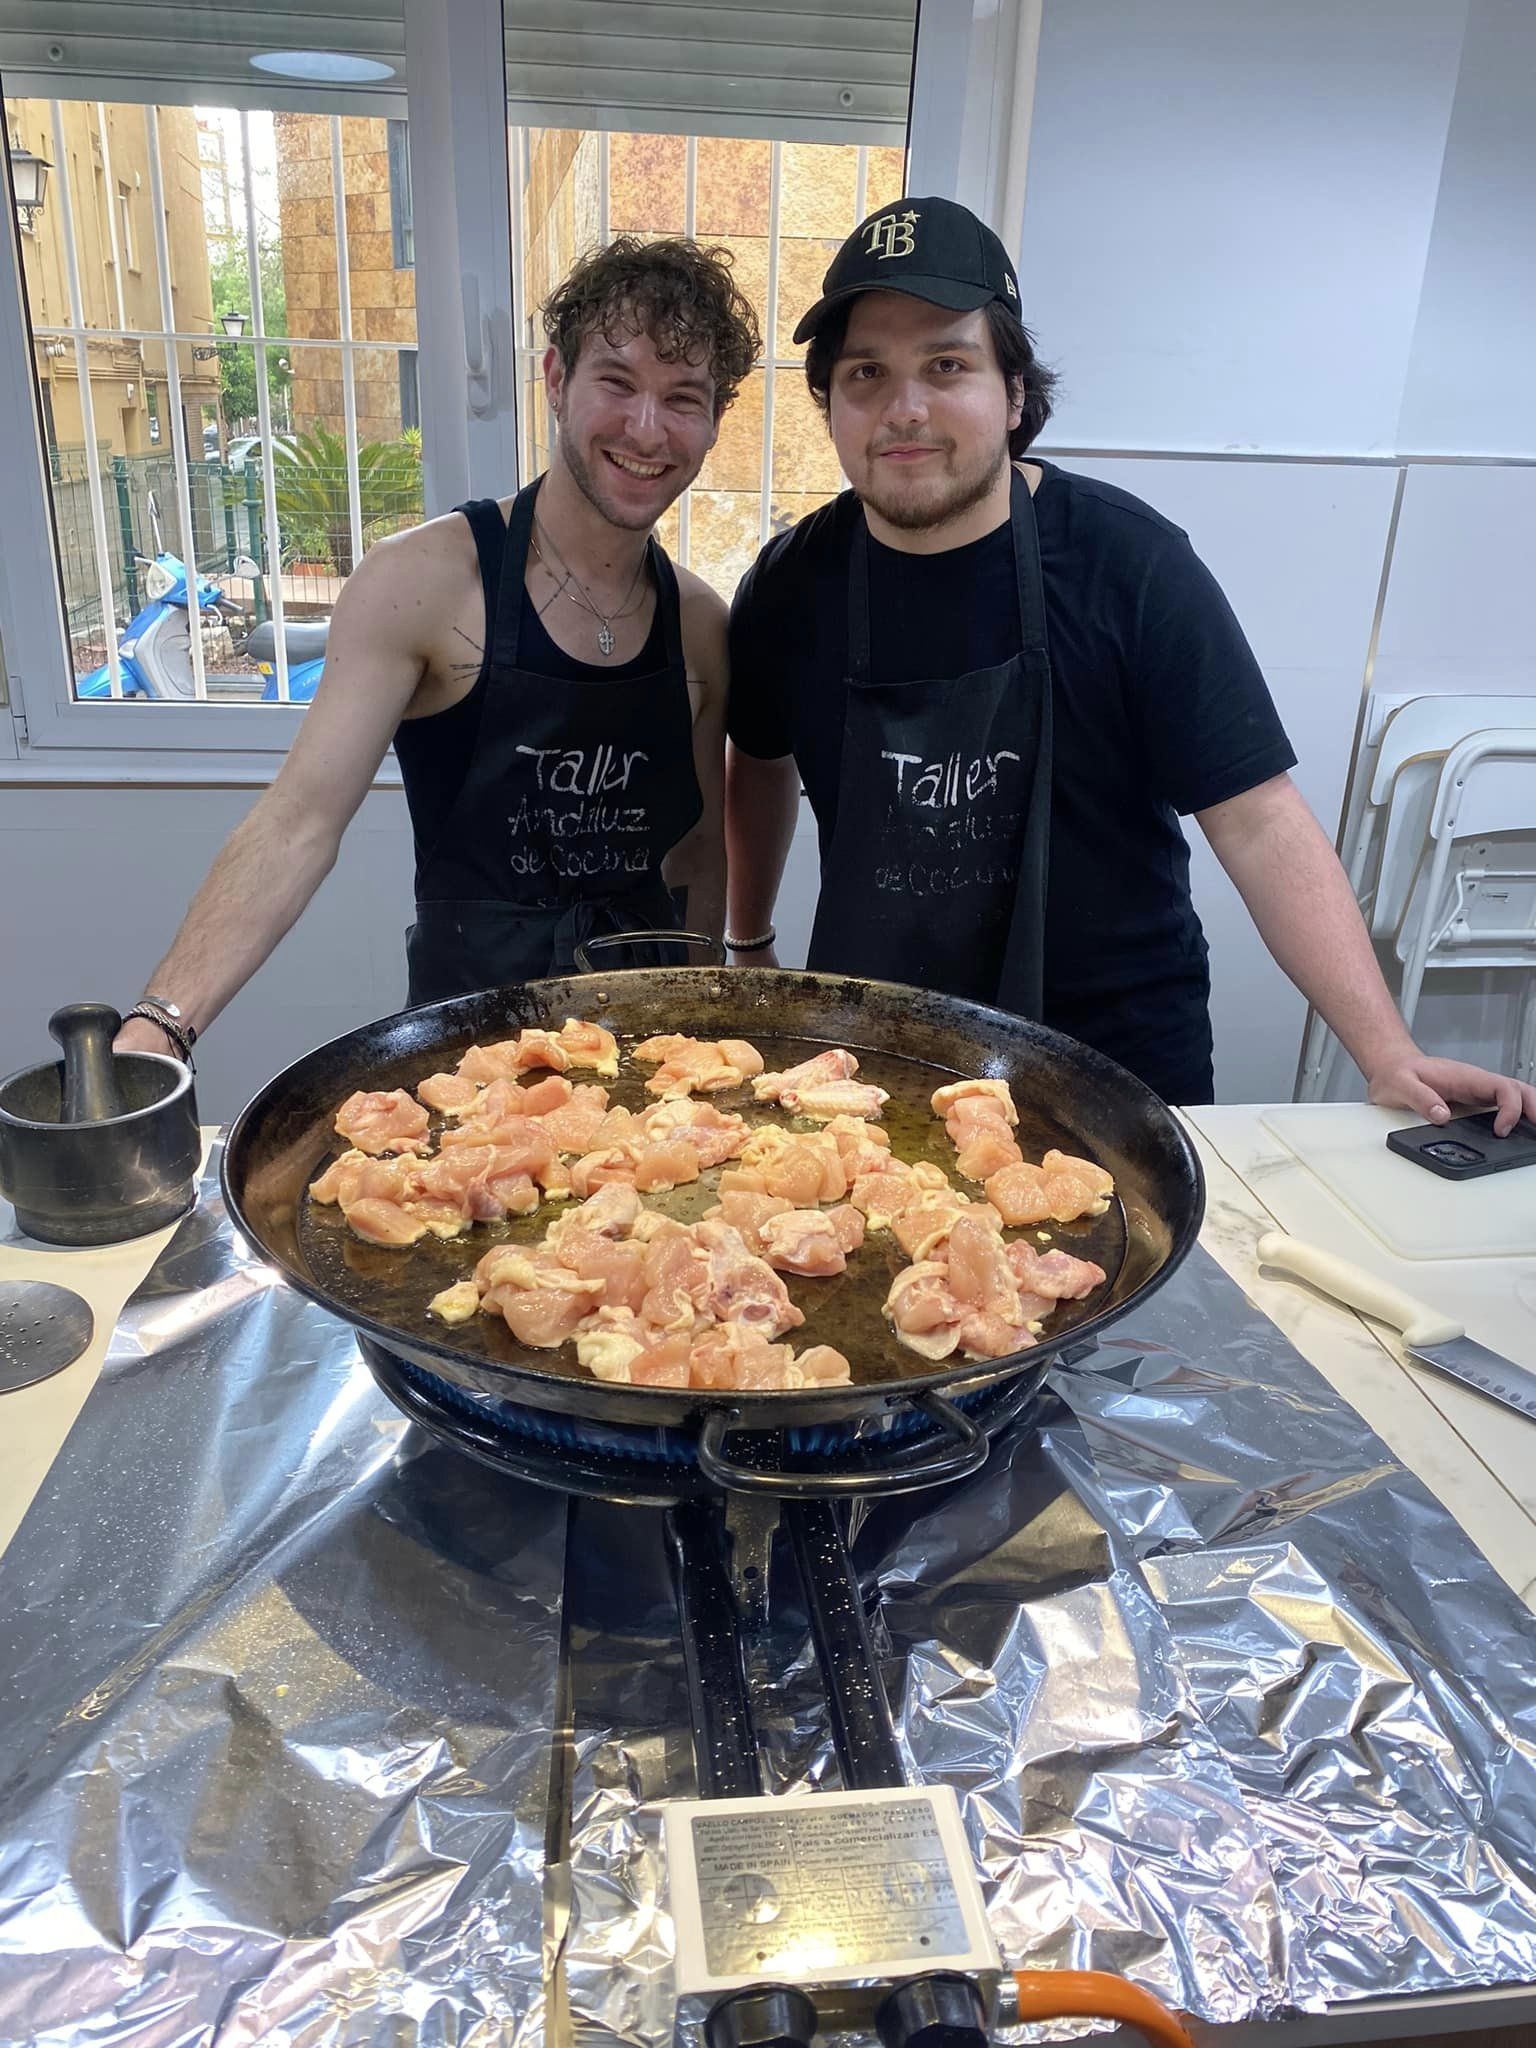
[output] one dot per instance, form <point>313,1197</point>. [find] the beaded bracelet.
<point>750,945</point>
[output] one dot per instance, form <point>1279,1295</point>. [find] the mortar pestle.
<point>99,1146</point>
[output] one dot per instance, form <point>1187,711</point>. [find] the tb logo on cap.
<point>891,235</point>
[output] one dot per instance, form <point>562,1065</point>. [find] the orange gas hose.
<point>1094,1994</point>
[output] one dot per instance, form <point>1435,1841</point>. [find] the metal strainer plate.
<point>43,1328</point>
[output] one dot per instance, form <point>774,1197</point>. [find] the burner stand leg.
<point>724,1741</point>
<point>862,1732</point>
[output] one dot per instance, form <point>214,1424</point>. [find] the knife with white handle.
<point>1435,1340</point>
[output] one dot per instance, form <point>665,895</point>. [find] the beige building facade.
<point>819,204</point>
<point>382,291</point>
<point>107,167</point>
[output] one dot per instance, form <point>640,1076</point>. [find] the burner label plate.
<point>799,1887</point>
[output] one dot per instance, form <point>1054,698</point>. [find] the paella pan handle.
<point>960,1451</point>
<point>584,948</point>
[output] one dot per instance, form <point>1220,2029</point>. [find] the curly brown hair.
<point>679,293</point>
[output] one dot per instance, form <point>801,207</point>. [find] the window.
<point>780,209</point>
<point>271,456</point>
<point>286,447</point>
<point>401,225</point>
<point>125,226</point>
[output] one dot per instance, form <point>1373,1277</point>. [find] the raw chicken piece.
<point>803,1167</point>
<point>862,1147</point>
<point>945,1098</point>
<point>837,1064</point>
<point>575,1126</point>
<point>819,1365</point>
<point>1055,1276</point>
<point>969,1302</point>
<point>979,1117</point>
<point>619,1267</point>
<point>828,1099</point>
<point>457,1304</point>
<point>377,1122</point>
<point>986,1152</point>
<point>736,1355</point>
<point>741,1287</point>
<point>814,1242</point>
<point>540,1300</point>
<point>923,1229</point>
<point>607,1351</point>
<point>384,1200</point>
<point>451,1094</point>
<point>611,1212</point>
<point>538,1098</point>
<point>651,1168</point>
<point>747,1211</point>
<point>716,1135</point>
<point>677,1282</point>
<point>589,1045</point>
<point>1059,1190</point>
<point>980,1275</point>
<point>386,1223</point>
<point>575,1044</point>
<point>692,1066</point>
<point>923,1312</point>
<point>884,1196</point>
<point>512,1056</point>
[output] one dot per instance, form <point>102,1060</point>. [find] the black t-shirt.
<point>1158,707</point>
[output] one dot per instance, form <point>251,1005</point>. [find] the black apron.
<point>576,791</point>
<point>936,873</point>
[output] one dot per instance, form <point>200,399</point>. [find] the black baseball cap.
<point>931,249</point>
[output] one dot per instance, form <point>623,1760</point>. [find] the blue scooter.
<point>155,652</point>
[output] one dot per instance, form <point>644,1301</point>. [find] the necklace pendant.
<point>605,639</point>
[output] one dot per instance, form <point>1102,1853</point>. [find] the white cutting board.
<point>1413,1212</point>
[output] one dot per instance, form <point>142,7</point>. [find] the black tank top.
<point>545,803</point>
<point>435,752</point>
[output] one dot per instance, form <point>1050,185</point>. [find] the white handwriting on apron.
<point>576,839</point>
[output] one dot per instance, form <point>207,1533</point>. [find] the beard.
<point>627,520</point>
<point>918,505</point>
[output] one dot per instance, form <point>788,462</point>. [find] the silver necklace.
<point>579,594</point>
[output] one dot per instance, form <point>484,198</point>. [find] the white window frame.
<point>461,195</point>
<point>968,132</point>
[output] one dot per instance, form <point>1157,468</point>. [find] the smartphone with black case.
<point>1465,1148</point>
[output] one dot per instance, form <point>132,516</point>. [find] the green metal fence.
<point>143,518</point>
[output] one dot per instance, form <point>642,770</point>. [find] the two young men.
<point>1001,684</point>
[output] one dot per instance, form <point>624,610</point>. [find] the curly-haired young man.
<point>554,687</point>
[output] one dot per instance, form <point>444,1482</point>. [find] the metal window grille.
<point>111,509</point>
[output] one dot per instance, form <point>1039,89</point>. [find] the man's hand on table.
<point>1417,1081</point>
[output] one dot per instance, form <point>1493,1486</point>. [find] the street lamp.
<point>233,325</point>
<point>29,178</point>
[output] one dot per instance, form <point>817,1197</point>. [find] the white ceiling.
<point>800,69</point>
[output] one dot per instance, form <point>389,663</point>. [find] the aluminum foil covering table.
<point>277,1687</point>
<point>1232,1705</point>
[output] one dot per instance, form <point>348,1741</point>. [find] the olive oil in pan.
<point>394,1286</point>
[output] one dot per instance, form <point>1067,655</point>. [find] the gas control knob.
<point>937,2011</point>
<point>771,2016</point>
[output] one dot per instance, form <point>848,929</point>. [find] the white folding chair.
<point>1388,828</point>
<point>1472,901</point>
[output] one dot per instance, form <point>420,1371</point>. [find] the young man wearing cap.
<point>1001,685</point>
